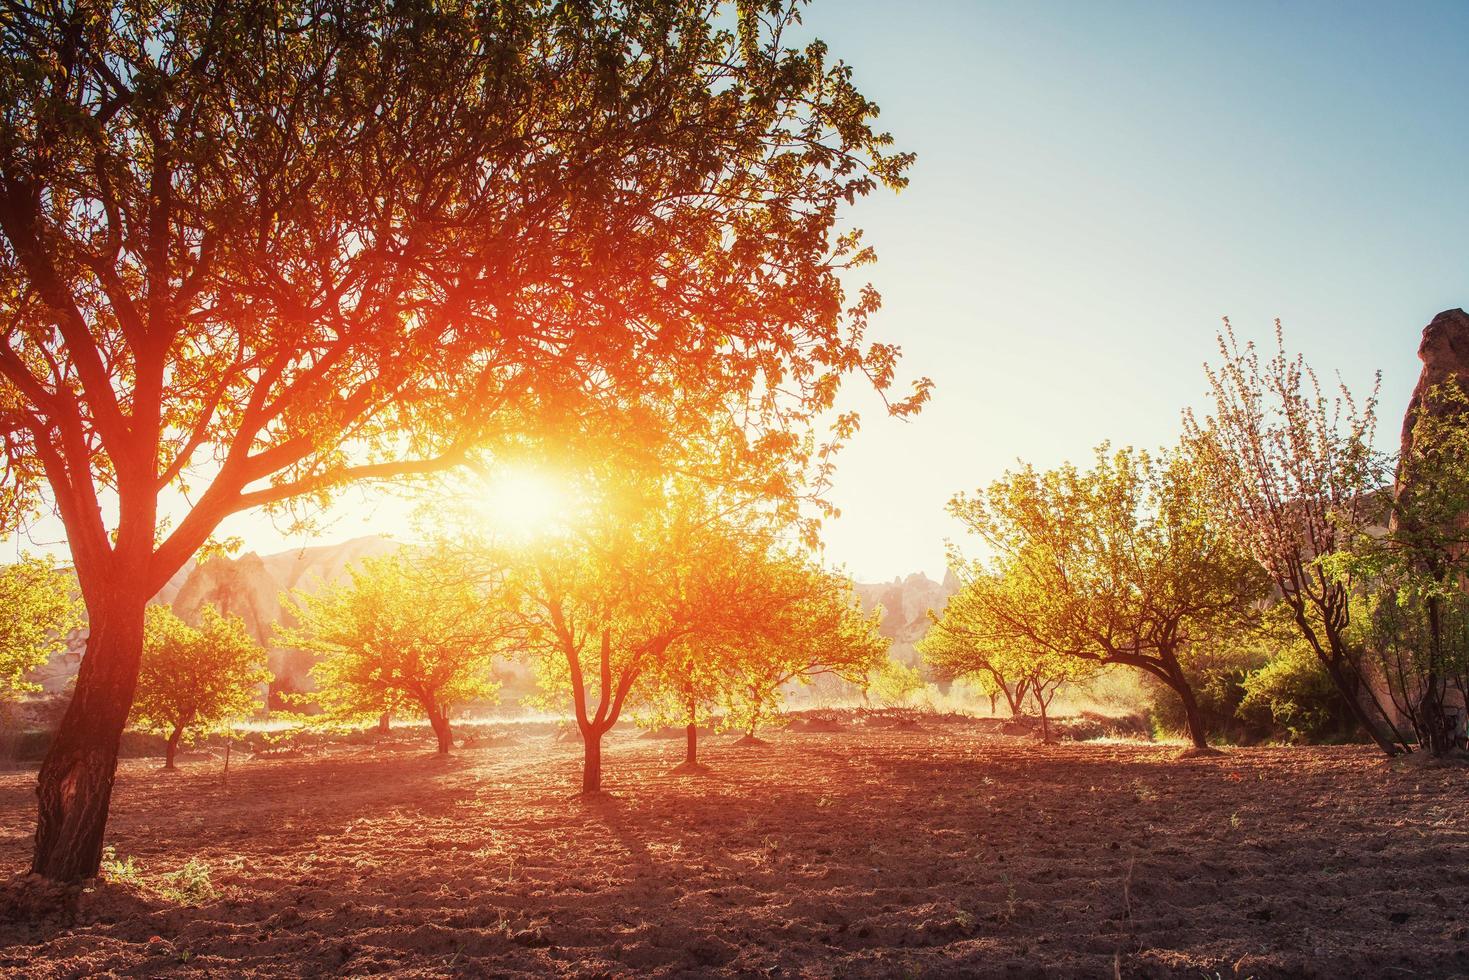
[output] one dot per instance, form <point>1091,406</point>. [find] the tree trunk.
<point>173,745</point>
<point>1015,698</point>
<point>994,699</point>
<point>383,721</point>
<point>691,745</point>
<point>74,788</point>
<point>1045,718</point>
<point>1331,658</point>
<point>1438,735</point>
<point>1197,733</point>
<point>439,721</point>
<point>591,768</point>
<point>1352,696</point>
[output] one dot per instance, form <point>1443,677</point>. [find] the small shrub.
<point>189,885</point>
<point>1294,692</point>
<point>124,871</point>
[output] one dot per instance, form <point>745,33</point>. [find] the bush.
<point>1294,693</point>
<point>1217,675</point>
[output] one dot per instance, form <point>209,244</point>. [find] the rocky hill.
<point>906,603</point>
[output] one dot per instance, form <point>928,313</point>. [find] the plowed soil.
<point>936,851</point>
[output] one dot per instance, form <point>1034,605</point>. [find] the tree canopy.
<point>41,610</point>
<point>409,633</point>
<point>193,678</point>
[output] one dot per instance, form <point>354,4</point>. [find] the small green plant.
<point>120,871</point>
<point>1011,902</point>
<point>189,885</point>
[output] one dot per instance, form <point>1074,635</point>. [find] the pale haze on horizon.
<point>1096,186</point>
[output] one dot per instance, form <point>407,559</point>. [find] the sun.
<point>526,503</point>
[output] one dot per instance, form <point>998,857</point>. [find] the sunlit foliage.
<point>195,678</point>
<point>1122,563</point>
<point>407,634</point>
<point>41,611</point>
<point>963,644</point>
<point>655,565</point>
<point>786,621</point>
<point>814,627</point>
<point>960,646</point>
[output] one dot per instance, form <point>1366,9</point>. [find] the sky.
<point>1096,186</point>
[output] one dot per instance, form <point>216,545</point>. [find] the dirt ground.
<point>939,851</point>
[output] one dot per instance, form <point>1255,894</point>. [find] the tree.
<point>650,575</point>
<point>1044,672</point>
<point>811,625</point>
<point>41,610</point>
<point>958,645</point>
<point>253,252</point>
<point>193,678</point>
<point>1293,475</point>
<point>895,685</point>
<point>962,643</point>
<point>732,600</point>
<point>409,633</point>
<point>1118,564</point>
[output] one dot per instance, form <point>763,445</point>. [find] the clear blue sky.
<point>1099,183</point>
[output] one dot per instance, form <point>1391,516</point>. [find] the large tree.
<point>251,252</point>
<point>1293,474</point>
<point>1121,563</point>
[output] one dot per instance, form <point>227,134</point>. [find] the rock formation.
<point>906,603</point>
<point>1444,352</point>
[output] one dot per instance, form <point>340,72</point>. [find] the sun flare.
<point>526,503</point>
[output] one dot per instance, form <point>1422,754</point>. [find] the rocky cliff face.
<point>906,603</point>
<point>1444,352</point>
